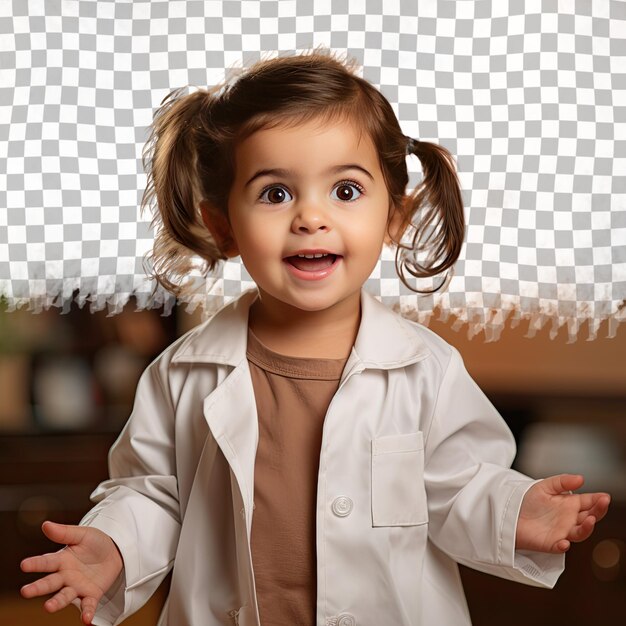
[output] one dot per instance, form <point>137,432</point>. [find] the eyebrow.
<point>279,171</point>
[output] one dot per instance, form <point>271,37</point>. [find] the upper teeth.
<point>312,256</point>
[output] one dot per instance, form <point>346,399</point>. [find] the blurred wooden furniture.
<point>49,475</point>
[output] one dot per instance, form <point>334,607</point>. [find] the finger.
<point>41,563</point>
<point>564,482</point>
<point>43,586</point>
<point>590,500</point>
<point>563,545</point>
<point>595,504</point>
<point>63,533</point>
<point>581,517</point>
<point>584,530</point>
<point>88,608</point>
<point>60,600</point>
<point>600,506</point>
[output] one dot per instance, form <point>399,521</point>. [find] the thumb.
<point>564,482</point>
<point>88,609</point>
<point>62,533</point>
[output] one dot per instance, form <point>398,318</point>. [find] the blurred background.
<point>67,382</point>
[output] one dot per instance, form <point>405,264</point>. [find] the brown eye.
<point>345,191</point>
<point>275,195</point>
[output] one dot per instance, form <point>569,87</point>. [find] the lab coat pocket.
<point>398,491</point>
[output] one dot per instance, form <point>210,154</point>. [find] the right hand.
<point>85,568</point>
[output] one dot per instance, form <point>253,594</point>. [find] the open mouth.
<point>312,262</point>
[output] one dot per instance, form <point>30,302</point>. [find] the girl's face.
<point>309,190</point>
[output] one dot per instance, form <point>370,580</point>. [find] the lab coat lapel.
<point>230,411</point>
<point>230,408</point>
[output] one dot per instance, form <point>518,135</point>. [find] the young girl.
<point>306,456</point>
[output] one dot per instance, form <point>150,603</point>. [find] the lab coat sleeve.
<point>473,497</point>
<point>138,506</point>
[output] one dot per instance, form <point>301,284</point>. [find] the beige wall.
<point>539,365</point>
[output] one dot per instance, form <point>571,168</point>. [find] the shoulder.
<point>441,353</point>
<point>219,340</point>
<point>172,370</point>
<point>181,346</point>
<point>160,366</point>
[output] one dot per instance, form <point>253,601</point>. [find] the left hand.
<point>550,517</point>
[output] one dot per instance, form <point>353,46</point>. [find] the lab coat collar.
<point>385,340</point>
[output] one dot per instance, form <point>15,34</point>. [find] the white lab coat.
<point>413,478</point>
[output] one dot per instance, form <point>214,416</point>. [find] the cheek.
<point>256,239</point>
<point>368,237</point>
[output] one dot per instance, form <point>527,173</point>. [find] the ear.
<point>396,223</point>
<point>217,224</point>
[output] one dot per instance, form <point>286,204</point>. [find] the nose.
<point>309,220</point>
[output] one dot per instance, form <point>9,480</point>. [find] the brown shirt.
<point>292,396</point>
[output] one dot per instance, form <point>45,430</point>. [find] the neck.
<point>329,333</point>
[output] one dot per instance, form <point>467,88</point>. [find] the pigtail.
<point>440,195</point>
<point>170,161</point>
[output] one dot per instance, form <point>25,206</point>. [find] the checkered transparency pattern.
<point>530,97</point>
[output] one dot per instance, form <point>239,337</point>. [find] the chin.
<point>311,305</point>
<point>319,302</point>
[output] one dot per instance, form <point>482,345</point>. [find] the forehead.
<point>308,146</point>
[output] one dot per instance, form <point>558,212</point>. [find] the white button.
<point>342,506</point>
<point>345,619</point>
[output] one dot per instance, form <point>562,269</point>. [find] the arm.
<point>474,499</point>
<point>138,506</point>
<point>124,547</point>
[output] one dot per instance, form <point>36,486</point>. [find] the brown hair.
<point>189,156</point>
